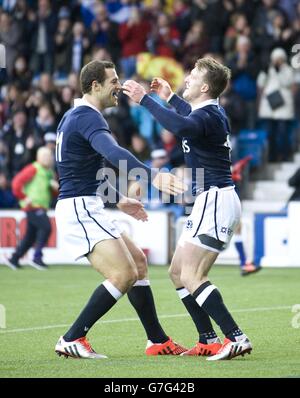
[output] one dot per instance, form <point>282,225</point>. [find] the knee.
<point>192,280</point>
<point>130,277</point>
<point>125,279</point>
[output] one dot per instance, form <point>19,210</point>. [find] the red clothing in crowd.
<point>133,38</point>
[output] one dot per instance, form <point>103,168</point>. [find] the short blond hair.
<point>217,75</point>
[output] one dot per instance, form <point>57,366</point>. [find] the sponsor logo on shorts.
<point>226,231</point>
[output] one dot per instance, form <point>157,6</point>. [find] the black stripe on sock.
<point>200,289</point>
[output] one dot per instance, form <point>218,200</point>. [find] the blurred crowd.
<point>47,43</point>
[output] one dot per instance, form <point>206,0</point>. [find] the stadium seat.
<point>255,143</point>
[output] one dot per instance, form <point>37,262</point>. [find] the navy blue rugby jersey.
<point>205,138</point>
<point>83,143</point>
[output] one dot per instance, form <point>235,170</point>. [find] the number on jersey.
<point>185,146</point>
<point>59,140</point>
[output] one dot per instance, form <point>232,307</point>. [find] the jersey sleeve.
<point>101,140</point>
<point>181,106</point>
<point>191,126</point>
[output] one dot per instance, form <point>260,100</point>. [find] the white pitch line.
<point>258,309</point>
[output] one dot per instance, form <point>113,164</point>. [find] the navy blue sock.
<point>141,298</point>
<point>101,301</point>
<point>199,316</point>
<point>209,298</point>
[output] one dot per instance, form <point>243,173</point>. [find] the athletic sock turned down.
<point>207,335</point>
<point>209,298</point>
<point>141,298</point>
<point>101,301</point>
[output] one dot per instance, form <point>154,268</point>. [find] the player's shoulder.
<point>84,113</point>
<point>213,112</point>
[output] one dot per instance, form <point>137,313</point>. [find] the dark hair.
<point>94,70</point>
<point>217,75</point>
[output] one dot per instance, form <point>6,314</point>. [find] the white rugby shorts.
<point>215,215</point>
<point>82,222</point>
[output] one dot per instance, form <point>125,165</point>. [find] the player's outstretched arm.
<point>107,146</point>
<point>183,126</point>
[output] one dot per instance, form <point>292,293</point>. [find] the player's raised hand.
<point>161,87</point>
<point>169,183</point>
<point>134,90</point>
<point>133,208</point>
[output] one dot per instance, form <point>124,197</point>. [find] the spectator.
<point>42,32</point>
<point>21,75</point>
<point>49,92</point>
<point>10,35</point>
<point>50,141</point>
<point>34,186</point>
<point>66,100</point>
<point>3,156</point>
<point>73,83</point>
<point>105,33</point>
<point>195,45</point>
<point>216,15</point>
<point>133,35</point>
<point>238,27</point>
<point>244,68</point>
<point>263,30</point>
<point>165,38</point>
<point>62,59</point>
<point>101,54</point>
<point>45,121</point>
<point>276,106</point>
<point>281,31</point>
<point>183,17</point>
<point>19,142</point>
<point>14,100</point>
<point>34,102</point>
<point>80,45</point>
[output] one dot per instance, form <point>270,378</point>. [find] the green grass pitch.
<point>40,305</point>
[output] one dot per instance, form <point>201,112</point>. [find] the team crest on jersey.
<point>189,224</point>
